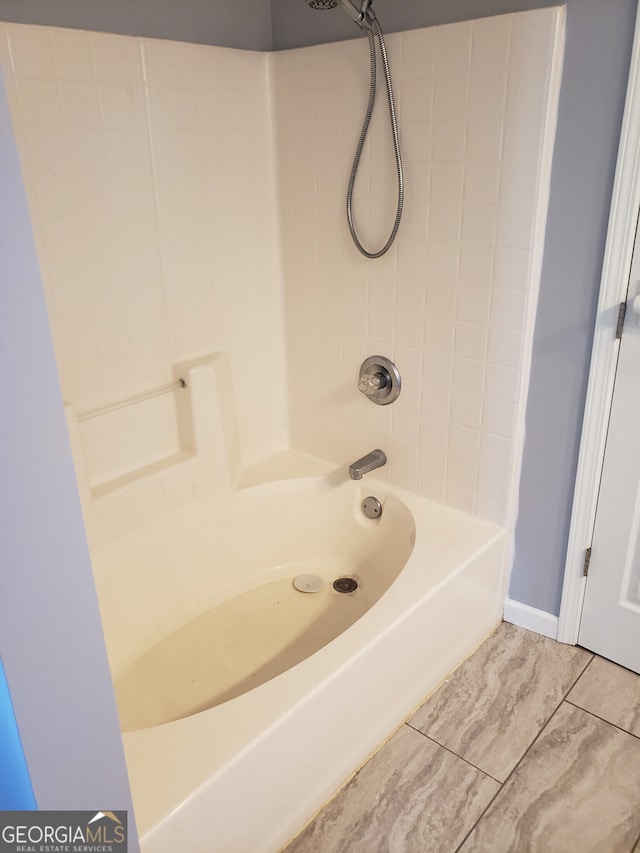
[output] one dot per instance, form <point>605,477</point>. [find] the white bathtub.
<point>247,774</point>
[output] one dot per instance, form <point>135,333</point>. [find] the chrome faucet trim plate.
<point>379,380</point>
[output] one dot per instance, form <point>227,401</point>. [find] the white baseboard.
<point>531,618</point>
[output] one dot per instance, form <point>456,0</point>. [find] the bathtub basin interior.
<point>334,685</point>
<point>249,623</point>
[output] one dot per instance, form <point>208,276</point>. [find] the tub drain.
<point>345,585</point>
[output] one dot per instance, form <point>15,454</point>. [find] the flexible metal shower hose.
<point>363,136</point>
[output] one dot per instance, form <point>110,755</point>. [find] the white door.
<point>610,624</point>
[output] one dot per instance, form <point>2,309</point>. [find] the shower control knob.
<point>379,380</point>
<point>369,383</point>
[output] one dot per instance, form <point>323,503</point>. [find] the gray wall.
<point>50,633</point>
<point>599,38</point>
<point>295,25</point>
<point>228,23</point>
<point>598,49</point>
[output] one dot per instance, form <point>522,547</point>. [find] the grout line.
<point>633,849</point>
<point>525,753</point>
<point>586,667</point>
<point>484,811</point>
<point>516,766</point>
<point>602,719</point>
<point>446,748</point>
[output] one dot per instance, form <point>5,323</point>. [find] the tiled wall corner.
<point>150,178</point>
<point>209,130</point>
<point>451,301</point>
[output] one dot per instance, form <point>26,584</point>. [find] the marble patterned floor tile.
<point>413,795</point>
<point>494,705</point>
<point>611,692</point>
<point>575,790</point>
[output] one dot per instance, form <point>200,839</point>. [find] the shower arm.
<point>363,16</point>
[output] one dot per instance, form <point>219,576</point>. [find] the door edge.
<point>623,219</point>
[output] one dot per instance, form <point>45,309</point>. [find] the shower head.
<point>362,15</point>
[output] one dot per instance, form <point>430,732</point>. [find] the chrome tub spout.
<point>375,459</point>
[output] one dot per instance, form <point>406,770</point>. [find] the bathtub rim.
<point>155,804</point>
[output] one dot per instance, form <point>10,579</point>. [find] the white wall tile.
<point>114,59</point>
<point>436,402</point>
<point>493,484</point>
<point>72,54</point>
<point>505,347</point>
<point>448,139</point>
<point>168,240</point>
<point>417,142</point>
<point>40,104</point>
<point>515,226</point>
<point>61,235</point>
<point>52,195</point>
<point>479,224</point>
<point>88,150</point>
<point>509,308</point>
<point>471,341</point>
<point>462,474</point>
<point>453,48</point>
<point>496,451</point>
<point>179,65</point>
<point>417,100</point>
<point>487,91</point>
<point>80,103</point>
<point>473,304</point>
<point>464,443</point>
<point>499,418</point>
<point>482,181</point>
<point>92,192</point>
<point>447,182</point>
<point>418,53</point>
<point>31,52</point>
<point>491,41</point>
<point>405,426</point>
<point>437,370</point>
<point>466,410</point>
<point>469,375</point>
<point>502,383</point>
<point>445,222</point>
<point>117,105</point>
<point>47,150</point>
<point>484,139</point>
<point>439,335</point>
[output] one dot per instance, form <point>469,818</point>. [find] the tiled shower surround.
<point>453,302</point>
<point>189,200</point>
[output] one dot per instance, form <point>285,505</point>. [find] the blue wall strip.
<point>15,785</point>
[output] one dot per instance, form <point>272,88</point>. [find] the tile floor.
<point>530,746</point>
